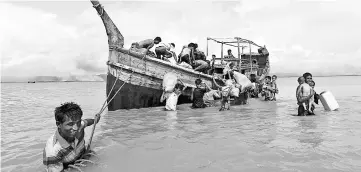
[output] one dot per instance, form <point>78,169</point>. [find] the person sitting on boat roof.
<point>186,57</point>
<point>199,55</point>
<point>163,51</point>
<point>201,66</point>
<point>229,54</point>
<point>67,144</point>
<point>146,44</point>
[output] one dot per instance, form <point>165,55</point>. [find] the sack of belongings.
<point>169,81</point>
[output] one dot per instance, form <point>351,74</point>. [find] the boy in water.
<point>274,85</point>
<point>198,94</point>
<point>209,96</point>
<point>304,90</point>
<point>267,89</point>
<point>172,98</point>
<point>311,100</point>
<point>67,144</point>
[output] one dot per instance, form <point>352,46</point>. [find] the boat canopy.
<point>240,44</point>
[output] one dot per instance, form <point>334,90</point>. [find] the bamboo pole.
<point>250,56</point>
<point>222,53</point>
<point>239,56</point>
<point>207,47</point>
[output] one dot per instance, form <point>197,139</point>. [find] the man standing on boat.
<point>147,44</point>
<point>230,55</point>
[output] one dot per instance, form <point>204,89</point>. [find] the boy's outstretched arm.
<point>89,121</point>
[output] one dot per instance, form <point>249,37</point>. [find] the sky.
<point>61,38</point>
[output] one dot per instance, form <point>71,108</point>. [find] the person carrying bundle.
<point>171,90</point>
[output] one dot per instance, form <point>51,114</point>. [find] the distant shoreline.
<point>32,82</point>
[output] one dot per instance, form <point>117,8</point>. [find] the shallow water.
<point>260,136</point>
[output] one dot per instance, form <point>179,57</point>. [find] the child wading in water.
<point>198,94</point>
<point>268,89</point>
<point>304,90</point>
<point>274,85</point>
<point>172,98</point>
<point>67,144</point>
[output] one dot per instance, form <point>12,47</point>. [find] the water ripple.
<point>259,136</point>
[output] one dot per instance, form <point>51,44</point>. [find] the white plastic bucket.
<point>328,101</point>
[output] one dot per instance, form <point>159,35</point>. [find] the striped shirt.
<point>58,153</point>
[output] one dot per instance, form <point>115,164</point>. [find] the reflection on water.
<point>259,136</point>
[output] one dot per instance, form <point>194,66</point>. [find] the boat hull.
<point>132,96</point>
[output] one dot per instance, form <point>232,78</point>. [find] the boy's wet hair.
<point>158,39</point>
<point>198,81</point>
<point>191,45</point>
<point>269,77</point>
<point>172,44</point>
<point>305,75</point>
<point>68,109</point>
<point>274,76</point>
<point>179,86</point>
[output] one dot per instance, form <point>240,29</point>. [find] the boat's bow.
<point>115,38</point>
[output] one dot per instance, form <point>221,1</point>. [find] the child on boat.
<point>172,98</point>
<point>67,144</point>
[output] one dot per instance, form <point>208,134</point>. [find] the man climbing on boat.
<point>146,44</point>
<point>67,144</point>
<point>186,57</point>
<point>166,52</point>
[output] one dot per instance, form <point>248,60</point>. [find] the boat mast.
<point>115,38</point>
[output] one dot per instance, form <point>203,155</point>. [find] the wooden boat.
<point>140,76</point>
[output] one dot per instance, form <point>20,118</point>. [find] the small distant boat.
<point>31,81</point>
<point>142,75</point>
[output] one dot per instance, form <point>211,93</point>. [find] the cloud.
<point>314,35</point>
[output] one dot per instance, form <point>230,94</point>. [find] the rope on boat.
<point>79,163</point>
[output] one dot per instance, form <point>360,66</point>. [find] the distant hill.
<point>70,78</point>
